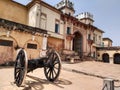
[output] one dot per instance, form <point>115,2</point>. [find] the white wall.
<point>34,15</point>
<point>98,40</point>
<point>51,17</point>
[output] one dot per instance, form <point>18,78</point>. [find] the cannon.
<point>51,64</point>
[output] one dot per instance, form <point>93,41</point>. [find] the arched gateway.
<point>78,43</point>
<point>117,58</point>
<point>105,58</point>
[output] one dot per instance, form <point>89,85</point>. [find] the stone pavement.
<point>36,81</point>
<point>96,69</point>
<point>81,76</point>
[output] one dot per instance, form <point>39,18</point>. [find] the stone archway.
<point>78,43</point>
<point>105,58</point>
<point>7,49</point>
<point>117,58</point>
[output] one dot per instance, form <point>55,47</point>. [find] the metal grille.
<point>6,43</point>
<point>32,46</point>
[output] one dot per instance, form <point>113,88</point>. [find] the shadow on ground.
<point>38,84</point>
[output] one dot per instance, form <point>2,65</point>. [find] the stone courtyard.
<point>88,75</point>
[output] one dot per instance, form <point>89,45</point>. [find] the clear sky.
<point>106,15</point>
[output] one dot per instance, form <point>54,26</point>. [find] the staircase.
<point>70,56</point>
<point>73,57</point>
<point>88,58</point>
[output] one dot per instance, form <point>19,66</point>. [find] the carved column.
<point>65,46</point>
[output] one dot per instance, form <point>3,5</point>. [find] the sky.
<point>106,14</point>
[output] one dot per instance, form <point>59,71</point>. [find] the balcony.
<point>90,41</point>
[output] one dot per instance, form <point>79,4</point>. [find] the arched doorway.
<point>78,43</point>
<point>117,58</point>
<point>105,58</point>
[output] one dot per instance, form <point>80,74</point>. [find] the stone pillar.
<point>71,44</point>
<point>65,41</point>
<point>108,84</point>
<point>111,60</point>
<point>44,46</point>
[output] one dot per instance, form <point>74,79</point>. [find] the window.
<point>6,43</point>
<point>94,39</point>
<point>100,40</point>
<point>89,36</point>
<point>102,44</point>
<point>69,14</point>
<point>99,37</point>
<point>68,30</point>
<point>32,46</point>
<point>57,26</point>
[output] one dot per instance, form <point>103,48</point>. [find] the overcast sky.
<point>106,15</point>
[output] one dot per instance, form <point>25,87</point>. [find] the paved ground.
<point>96,69</point>
<point>69,79</point>
<point>103,70</point>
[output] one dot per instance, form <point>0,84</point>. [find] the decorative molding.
<point>10,25</point>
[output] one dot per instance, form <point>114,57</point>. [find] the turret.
<point>86,18</point>
<point>66,7</point>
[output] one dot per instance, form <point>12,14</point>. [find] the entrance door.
<point>117,58</point>
<point>105,58</point>
<point>77,43</point>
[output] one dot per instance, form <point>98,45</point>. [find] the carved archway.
<point>117,58</point>
<point>78,43</point>
<point>105,58</point>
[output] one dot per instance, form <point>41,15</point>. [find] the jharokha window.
<point>32,46</point>
<point>68,30</point>
<point>6,43</point>
<point>57,26</point>
<point>89,36</point>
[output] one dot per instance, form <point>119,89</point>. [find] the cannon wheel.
<point>53,66</point>
<point>20,68</point>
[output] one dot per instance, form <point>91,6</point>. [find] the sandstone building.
<point>38,25</point>
<point>108,53</point>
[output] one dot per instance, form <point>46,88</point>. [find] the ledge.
<point>10,25</point>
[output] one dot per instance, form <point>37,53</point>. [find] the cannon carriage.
<point>51,64</point>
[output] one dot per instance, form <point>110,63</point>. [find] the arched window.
<point>105,58</point>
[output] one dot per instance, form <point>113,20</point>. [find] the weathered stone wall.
<point>13,11</point>
<point>55,43</point>
<point>21,39</point>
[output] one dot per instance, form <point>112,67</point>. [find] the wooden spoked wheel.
<point>53,66</point>
<point>20,68</point>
